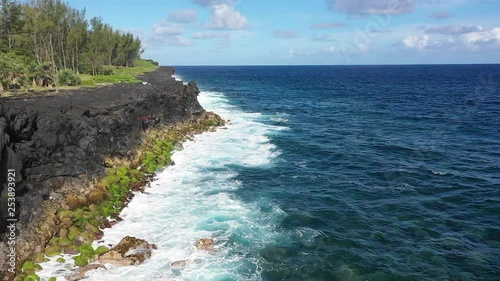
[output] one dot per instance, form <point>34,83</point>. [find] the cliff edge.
<point>58,143</point>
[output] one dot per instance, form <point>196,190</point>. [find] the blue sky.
<point>295,32</point>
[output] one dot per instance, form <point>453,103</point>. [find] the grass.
<point>121,74</point>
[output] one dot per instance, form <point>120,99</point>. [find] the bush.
<point>152,62</point>
<point>68,77</point>
<point>107,70</point>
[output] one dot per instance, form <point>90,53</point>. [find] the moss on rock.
<point>101,250</point>
<point>81,260</point>
<point>32,277</point>
<point>63,233</point>
<point>38,258</point>
<point>64,242</point>
<point>30,267</point>
<point>87,250</point>
<point>96,196</point>
<point>73,232</point>
<point>52,251</point>
<point>84,215</point>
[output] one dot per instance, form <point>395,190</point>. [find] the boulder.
<point>130,251</point>
<point>179,263</point>
<point>205,244</point>
<point>80,273</point>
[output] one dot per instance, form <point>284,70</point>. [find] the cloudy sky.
<point>290,32</point>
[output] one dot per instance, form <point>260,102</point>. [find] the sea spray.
<point>193,199</point>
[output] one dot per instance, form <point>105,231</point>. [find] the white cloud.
<point>416,42</point>
<point>165,28</point>
<point>475,40</point>
<point>292,53</point>
<point>183,16</point>
<point>165,32</point>
<point>226,17</point>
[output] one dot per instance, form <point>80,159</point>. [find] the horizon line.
<point>415,64</point>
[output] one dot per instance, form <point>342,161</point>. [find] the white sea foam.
<point>439,173</point>
<point>192,200</point>
<point>177,77</point>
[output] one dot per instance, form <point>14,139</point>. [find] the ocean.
<point>330,173</point>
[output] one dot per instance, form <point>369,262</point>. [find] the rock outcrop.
<point>130,251</point>
<point>205,244</point>
<point>82,272</point>
<point>60,143</point>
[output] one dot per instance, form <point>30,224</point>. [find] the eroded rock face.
<point>205,244</point>
<point>130,251</point>
<point>58,144</point>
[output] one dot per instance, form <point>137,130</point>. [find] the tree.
<point>49,36</point>
<point>11,23</point>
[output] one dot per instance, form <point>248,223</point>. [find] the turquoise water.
<point>329,173</point>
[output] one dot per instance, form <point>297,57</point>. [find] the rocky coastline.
<point>77,155</point>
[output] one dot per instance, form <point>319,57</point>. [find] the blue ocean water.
<point>328,173</point>
<point>396,169</point>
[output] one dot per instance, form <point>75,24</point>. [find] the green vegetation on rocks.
<point>52,251</point>
<point>30,267</point>
<point>101,250</point>
<point>32,277</point>
<point>87,250</point>
<point>39,258</point>
<point>81,260</point>
<point>81,225</point>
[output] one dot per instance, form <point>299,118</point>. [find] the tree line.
<point>41,38</point>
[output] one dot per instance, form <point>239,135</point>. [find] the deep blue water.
<point>396,168</point>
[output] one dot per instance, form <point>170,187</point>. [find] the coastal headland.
<point>74,156</point>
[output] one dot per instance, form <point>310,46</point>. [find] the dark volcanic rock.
<point>60,142</point>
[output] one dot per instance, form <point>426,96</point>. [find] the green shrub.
<point>68,77</point>
<point>107,70</point>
